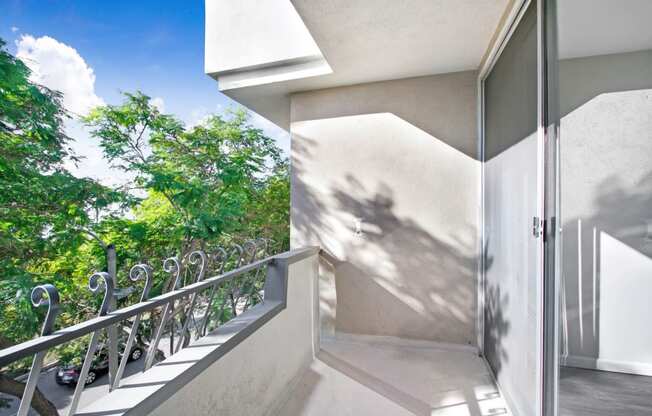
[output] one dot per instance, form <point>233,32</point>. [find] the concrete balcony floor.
<point>378,376</point>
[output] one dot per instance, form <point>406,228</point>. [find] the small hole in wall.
<point>358,227</point>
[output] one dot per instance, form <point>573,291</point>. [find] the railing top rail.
<point>43,343</point>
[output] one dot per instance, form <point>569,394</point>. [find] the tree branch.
<point>94,236</point>
<point>40,403</point>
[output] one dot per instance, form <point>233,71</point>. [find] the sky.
<point>91,50</point>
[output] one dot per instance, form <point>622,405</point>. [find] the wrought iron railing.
<point>195,306</point>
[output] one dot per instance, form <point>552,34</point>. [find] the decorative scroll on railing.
<point>195,305</point>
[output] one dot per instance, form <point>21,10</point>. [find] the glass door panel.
<point>605,97</point>
<point>513,244</point>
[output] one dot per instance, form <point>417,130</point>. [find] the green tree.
<point>219,182</point>
<point>269,211</point>
<point>200,181</point>
<point>45,212</point>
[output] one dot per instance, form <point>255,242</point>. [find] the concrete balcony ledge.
<point>240,368</point>
<point>143,392</point>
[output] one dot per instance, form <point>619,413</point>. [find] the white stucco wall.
<point>606,178</point>
<point>253,377</point>
<point>385,179</point>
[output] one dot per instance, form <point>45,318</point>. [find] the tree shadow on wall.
<point>496,327</point>
<point>622,212</point>
<point>398,277</point>
<point>306,201</point>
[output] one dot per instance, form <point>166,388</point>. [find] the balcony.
<point>427,274</point>
<point>268,359</point>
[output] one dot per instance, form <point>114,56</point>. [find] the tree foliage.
<point>196,187</point>
<point>208,173</point>
<point>202,183</point>
<point>44,210</point>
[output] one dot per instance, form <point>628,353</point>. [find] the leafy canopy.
<point>215,183</point>
<point>43,208</point>
<point>208,173</point>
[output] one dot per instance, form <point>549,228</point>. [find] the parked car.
<point>68,374</point>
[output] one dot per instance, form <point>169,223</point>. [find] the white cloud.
<point>60,67</point>
<point>159,103</point>
<point>14,29</point>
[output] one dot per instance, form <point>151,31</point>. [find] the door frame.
<point>549,113</point>
<point>547,188</point>
<point>507,26</point>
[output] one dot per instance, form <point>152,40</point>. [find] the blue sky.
<point>153,46</point>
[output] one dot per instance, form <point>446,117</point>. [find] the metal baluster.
<point>265,245</point>
<point>176,308</point>
<point>172,329</point>
<point>41,296</point>
<point>112,331</point>
<point>251,247</point>
<point>237,249</point>
<point>221,256</point>
<point>170,265</point>
<point>95,286</point>
<point>194,258</point>
<point>206,261</point>
<point>135,274</point>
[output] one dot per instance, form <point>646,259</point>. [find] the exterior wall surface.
<point>606,179</point>
<point>385,179</point>
<point>252,378</point>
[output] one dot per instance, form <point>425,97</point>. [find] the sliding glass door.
<point>605,164</point>
<point>567,184</point>
<point>513,243</point>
